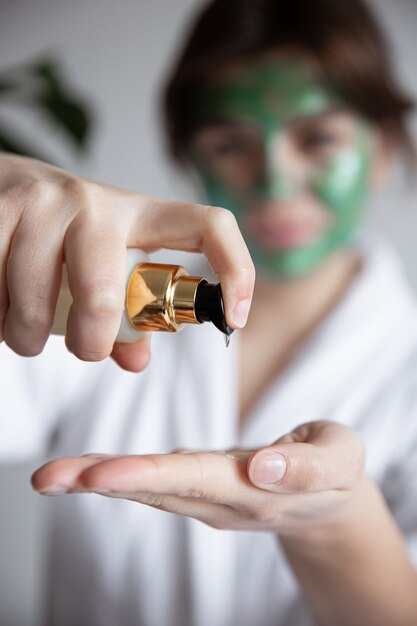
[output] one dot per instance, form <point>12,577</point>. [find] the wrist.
<point>355,564</point>
<point>331,532</point>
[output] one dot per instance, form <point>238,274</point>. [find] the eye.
<point>227,147</point>
<point>224,146</point>
<point>318,141</point>
<point>232,146</point>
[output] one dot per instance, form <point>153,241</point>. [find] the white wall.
<point>116,53</point>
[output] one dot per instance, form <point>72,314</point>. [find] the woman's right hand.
<point>48,216</point>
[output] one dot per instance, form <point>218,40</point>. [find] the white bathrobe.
<point>120,563</point>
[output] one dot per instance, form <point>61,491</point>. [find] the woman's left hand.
<point>305,477</point>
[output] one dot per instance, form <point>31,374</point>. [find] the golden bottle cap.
<point>161,297</point>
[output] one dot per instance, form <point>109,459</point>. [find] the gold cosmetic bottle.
<point>158,298</point>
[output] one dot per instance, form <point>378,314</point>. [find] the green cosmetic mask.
<point>270,95</point>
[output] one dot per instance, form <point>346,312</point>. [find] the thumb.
<point>316,456</point>
<point>133,357</point>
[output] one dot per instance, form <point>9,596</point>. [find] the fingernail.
<point>241,312</point>
<point>269,468</point>
<point>53,490</point>
<point>103,492</point>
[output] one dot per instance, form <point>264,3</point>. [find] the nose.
<point>279,187</point>
<point>278,181</point>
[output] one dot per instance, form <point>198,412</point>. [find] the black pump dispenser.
<point>209,307</point>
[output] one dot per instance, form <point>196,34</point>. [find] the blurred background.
<point>112,58</point>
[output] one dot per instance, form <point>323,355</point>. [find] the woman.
<point>289,114</point>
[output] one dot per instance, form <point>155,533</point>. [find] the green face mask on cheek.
<point>269,94</point>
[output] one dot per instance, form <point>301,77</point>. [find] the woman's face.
<point>280,150</point>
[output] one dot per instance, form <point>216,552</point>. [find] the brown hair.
<point>342,36</point>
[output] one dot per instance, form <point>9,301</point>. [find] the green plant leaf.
<point>7,86</point>
<point>53,97</point>
<point>41,85</point>
<point>69,115</point>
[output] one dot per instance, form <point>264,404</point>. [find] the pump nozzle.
<point>209,307</point>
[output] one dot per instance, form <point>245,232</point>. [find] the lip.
<point>286,226</point>
<point>283,235</point>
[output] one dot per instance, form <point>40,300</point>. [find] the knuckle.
<point>247,274</point>
<point>194,494</point>
<point>37,187</point>
<point>93,208</point>
<point>36,194</point>
<point>197,461</point>
<point>198,494</point>
<point>31,197</point>
<point>267,515</point>
<point>26,186</point>
<point>316,473</point>
<point>102,299</point>
<point>83,199</point>
<point>151,499</point>
<point>32,317</point>
<point>218,218</point>
<point>14,197</point>
<point>307,473</point>
<point>255,514</point>
<point>153,464</point>
<point>259,509</point>
<point>301,433</point>
<point>83,192</point>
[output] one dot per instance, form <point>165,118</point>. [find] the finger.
<point>95,255</point>
<point>317,456</point>
<point>63,476</point>
<point>133,357</point>
<point>206,476</point>
<point>210,230</point>
<point>34,269</point>
<point>10,209</point>
<point>4,294</point>
<point>215,515</point>
<point>60,476</point>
